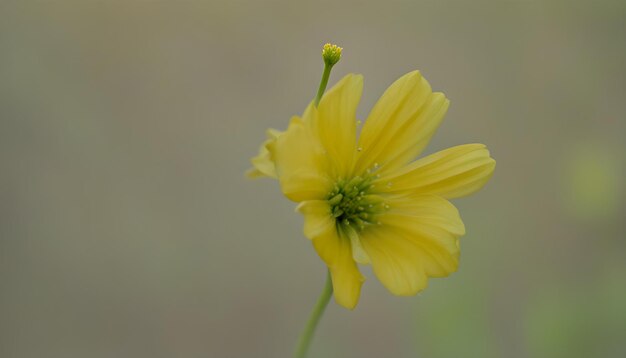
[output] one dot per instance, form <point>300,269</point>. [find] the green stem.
<point>323,83</point>
<point>318,311</point>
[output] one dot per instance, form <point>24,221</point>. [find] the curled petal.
<point>263,164</point>
<point>300,163</point>
<point>317,217</point>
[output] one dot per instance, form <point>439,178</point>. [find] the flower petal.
<point>358,252</point>
<point>437,249</point>
<point>451,173</point>
<point>300,163</point>
<point>401,124</point>
<point>305,185</point>
<point>317,217</point>
<point>428,209</point>
<point>396,261</point>
<point>336,121</point>
<point>262,164</point>
<point>417,238</point>
<point>336,252</point>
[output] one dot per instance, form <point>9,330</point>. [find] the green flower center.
<point>352,203</point>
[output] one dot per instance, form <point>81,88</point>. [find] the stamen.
<point>352,202</point>
<point>335,199</point>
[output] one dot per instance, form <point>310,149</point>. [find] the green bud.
<point>331,54</point>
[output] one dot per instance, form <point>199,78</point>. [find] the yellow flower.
<point>364,198</point>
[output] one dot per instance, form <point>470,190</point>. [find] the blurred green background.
<point>127,228</point>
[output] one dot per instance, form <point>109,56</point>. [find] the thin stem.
<point>318,311</point>
<point>323,83</point>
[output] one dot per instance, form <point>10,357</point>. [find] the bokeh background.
<point>127,228</point>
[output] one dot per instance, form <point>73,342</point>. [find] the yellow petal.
<point>411,142</point>
<point>434,226</point>
<point>428,209</point>
<point>305,185</point>
<point>417,238</point>
<point>347,282</point>
<point>358,252</point>
<point>336,252</point>
<point>396,261</point>
<point>401,124</point>
<point>300,163</point>
<point>336,122</point>
<point>262,164</point>
<point>451,173</point>
<point>437,249</point>
<point>317,217</point>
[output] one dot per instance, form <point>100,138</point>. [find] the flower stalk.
<point>316,315</point>
<point>331,54</point>
<point>323,83</point>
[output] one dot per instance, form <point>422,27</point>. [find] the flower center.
<point>352,203</point>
